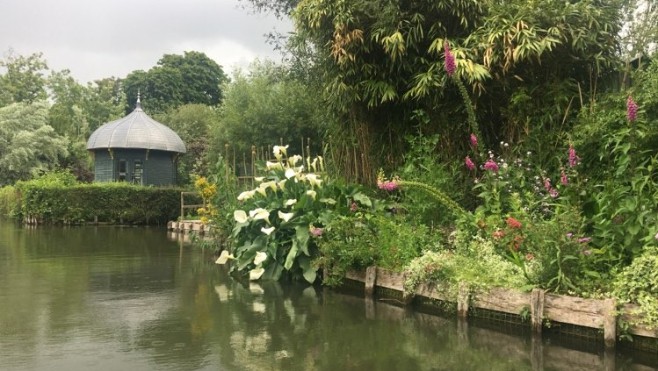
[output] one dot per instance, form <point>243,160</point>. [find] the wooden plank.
<point>609,312</point>
<point>431,291</point>
<point>356,276</point>
<point>390,280</point>
<point>463,300</point>
<point>371,279</point>
<point>537,309</point>
<point>574,310</point>
<point>502,300</point>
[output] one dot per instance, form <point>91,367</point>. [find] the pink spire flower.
<point>450,65</point>
<point>474,141</point>
<point>469,163</point>
<point>388,185</point>
<point>631,109</point>
<point>573,158</point>
<point>564,179</point>
<point>491,165</point>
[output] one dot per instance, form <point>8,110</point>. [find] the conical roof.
<point>137,130</point>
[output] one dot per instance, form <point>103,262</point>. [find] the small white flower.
<point>267,231</point>
<point>271,185</point>
<point>246,195</point>
<point>255,274</point>
<point>311,193</point>
<point>259,214</point>
<point>290,202</point>
<point>259,258</point>
<point>224,257</point>
<point>286,216</point>
<point>259,178</point>
<point>262,191</point>
<point>240,216</point>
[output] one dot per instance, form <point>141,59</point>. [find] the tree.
<point>104,101</point>
<point>174,81</point>
<point>24,79</point>
<point>384,76</point>
<point>192,122</point>
<point>28,145</point>
<point>66,115</point>
<point>266,107</point>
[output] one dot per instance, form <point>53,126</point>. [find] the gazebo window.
<point>122,170</point>
<point>137,172</point>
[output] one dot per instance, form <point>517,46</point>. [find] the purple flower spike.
<point>584,239</point>
<point>449,60</point>
<point>631,109</point>
<point>474,141</point>
<point>573,158</point>
<point>564,179</point>
<point>469,163</point>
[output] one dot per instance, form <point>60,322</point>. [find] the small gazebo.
<point>135,149</point>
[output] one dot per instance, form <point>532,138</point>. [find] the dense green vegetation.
<point>518,139</point>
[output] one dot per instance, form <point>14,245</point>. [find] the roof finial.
<point>139,101</point>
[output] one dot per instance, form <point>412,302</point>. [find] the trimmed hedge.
<point>104,202</point>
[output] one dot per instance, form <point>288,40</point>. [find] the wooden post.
<point>462,300</point>
<point>537,310</point>
<point>370,307</point>
<point>537,352</point>
<point>371,279</point>
<point>609,323</point>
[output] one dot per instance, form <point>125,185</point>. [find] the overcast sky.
<point>103,38</point>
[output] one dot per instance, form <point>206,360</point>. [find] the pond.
<point>111,298</point>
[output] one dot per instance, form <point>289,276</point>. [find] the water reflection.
<point>135,299</point>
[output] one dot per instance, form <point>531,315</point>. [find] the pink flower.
<point>474,141</point>
<point>388,185</point>
<point>491,165</point>
<point>354,207</point>
<point>547,184</point>
<point>449,60</point>
<point>573,158</point>
<point>469,163</point>
<point>317,232</point>
<point>584,239</point>
<point>553,193</point>
<point>564,179</point>
<point>631,109</point>
<point>513,223</point>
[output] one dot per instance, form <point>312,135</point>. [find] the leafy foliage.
<point>28,145</point>
<point>59,199</point>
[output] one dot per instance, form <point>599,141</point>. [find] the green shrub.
<point>362,240</point>
<point>9,201</point>
<point>638,283</point>
<point>54,201</point>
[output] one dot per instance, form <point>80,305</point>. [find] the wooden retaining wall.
<point>590,313</point>
<point>188,226</point>
<point>537,353</point>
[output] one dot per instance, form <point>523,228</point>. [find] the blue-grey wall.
<point>159,167</point>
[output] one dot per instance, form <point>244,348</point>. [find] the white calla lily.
<point>293,160</point>
<point>259,178</point>
<point>267,231</point>
<point>280,150</point>
<point>286,216</point>
<point>273,165</point>
<point>255,274</point>
<point>282,184</point>
<point>271,185</point>
<point>311,193</point>
<point>240,216</point>
<point>313,180</point>
<point>246,195</point>
<point>224,257</point>
<point>259,214</point>
<point>290,202</point>
<point>260,258</point>
<point>290,173</point>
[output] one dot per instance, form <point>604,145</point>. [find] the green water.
<point>109,298</point>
